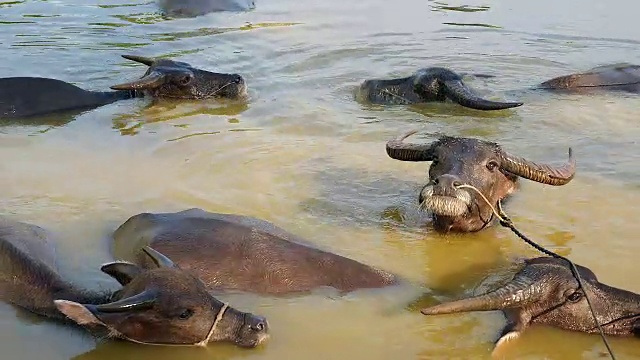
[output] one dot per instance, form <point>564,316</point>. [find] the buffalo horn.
<point>136,302</point>
<point>457,91</point>
<point>399,150</point>
<point>513,294</point>
<point>151,80</point>
<point>543,173</point>
<point>141,59</point>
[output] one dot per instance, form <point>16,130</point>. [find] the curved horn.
<point>141,59</point>
<point>158,258</point>
<point>140,301</point>
<point>151,80</point>
<point>543,173</point>
<point>399,150</point>
<point>457,91</point>
<point>515,293</point>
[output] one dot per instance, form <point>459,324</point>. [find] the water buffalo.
<point>545,292</point>
<point>485,165</point>
<point>427,85</point>
<point>191,8</point>
<point>234,252</point>
<point>439,84</point>
<point>22,97</point>
<point>162,304</point>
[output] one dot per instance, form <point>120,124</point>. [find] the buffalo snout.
<point>254,331</point>
<point>257,323</point>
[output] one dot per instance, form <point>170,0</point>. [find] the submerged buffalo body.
<point>441,84</point>
<point>190,8</point>
<point>457,162</point>
<point>242,253</point>
<point>22,97</point>
<point>545,292</point>
<point>159,305</point>
<point>617,77</point>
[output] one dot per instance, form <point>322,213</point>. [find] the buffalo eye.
<point>575,296</point>
<point>186,314</point>
<point>185,80</point>
<point>492,165</point>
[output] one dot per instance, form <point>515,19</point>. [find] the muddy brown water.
<point>302,154</point>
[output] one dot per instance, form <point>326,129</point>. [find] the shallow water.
<point>304,155</point>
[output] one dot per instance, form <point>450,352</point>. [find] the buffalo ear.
<point>122,271</point>
<point>77,312</point>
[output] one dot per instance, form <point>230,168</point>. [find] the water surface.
<point>303,154</point>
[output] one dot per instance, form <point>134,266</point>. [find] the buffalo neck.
<point>39,299</point>
<point>86,100</point>
<point>116,95</point>
<point>34,285</point>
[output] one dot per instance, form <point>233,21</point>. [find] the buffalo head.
<point>546,292</point>
<point>459,161</point>
<point>174,79</point>
<point>166,306</point>
<point>434,84</point>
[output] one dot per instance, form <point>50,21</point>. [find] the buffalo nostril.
<point>447,181</point>
<point>237,79</point>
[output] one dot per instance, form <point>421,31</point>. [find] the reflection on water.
<point>44,122</point>
<point>7,4</point>
<point>440,6</point>
<point>173,36</point>
<point>160,110</point>
<point>472,24</point>
<point>302,153</point>
<point>140,18</point>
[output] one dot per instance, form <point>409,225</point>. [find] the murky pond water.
<point>304,155</point>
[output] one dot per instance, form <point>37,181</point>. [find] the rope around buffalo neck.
<point>204,342</point>
<point>385,91</point>
<point>506,222</point>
